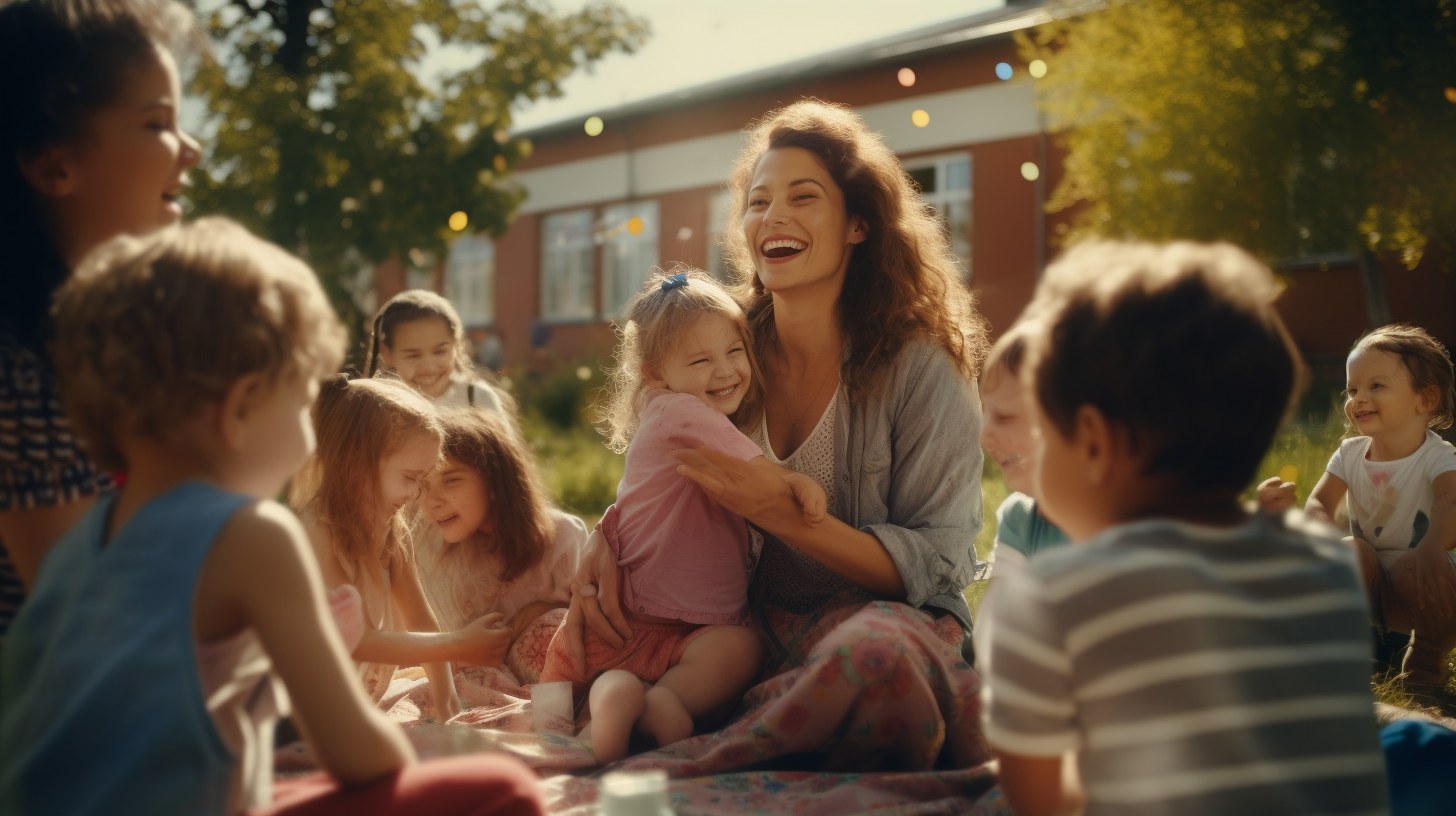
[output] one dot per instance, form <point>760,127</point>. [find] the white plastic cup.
<point>551,708</point>
<point>634,793</point>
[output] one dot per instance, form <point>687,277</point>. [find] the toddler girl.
<point>1006,436</point>
<point>684,366</point>
<point>496,545</point>
<point>1400,478</point>
<point>91,149</point>
<point>377,441</point>
<point>420,336</point>
<point>181,616</point>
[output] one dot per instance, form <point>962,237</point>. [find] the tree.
<point>1293,128</point>
<point>322,138</point>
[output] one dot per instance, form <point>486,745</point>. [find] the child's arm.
<point>1041,786</point>
<point>473,643</point>
<point>260,574</point>
<point>1417,574</point>
<point>1328,493</point>
<point>807,493</point>
<point>419,617</point>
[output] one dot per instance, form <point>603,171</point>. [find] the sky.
<point>694,42</point>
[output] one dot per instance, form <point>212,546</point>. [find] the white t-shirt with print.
<point>1390,502</point>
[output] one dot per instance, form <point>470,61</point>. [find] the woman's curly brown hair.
<point>903,282</point>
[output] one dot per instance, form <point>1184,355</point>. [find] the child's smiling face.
<point>402,473</point>
<point>457,500</point>
<point>1380,398</point>
<point>1007,428</point>
<point>423,353</point>
<point>709,361</point>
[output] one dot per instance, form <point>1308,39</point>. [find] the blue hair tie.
<point>674,282</point>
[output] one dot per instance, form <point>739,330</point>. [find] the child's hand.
<point>348,613</point>
<point>485,640</point>
<point>1275,495</point>
<point>809,495</point>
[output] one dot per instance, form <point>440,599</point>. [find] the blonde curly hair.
<point>656,316</point>
<point>151,329</point>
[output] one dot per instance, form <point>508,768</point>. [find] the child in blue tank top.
<point>181,616</point>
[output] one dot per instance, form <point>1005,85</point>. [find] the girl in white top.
<point>495,546</point>
<point>419,336</point>
<point>1400,479</point>
<point>377,441</point>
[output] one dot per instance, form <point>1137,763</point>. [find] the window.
<point>629,252</point>
<point>470,279</point>
<point>717,230</point>
<point>945,184</point>
<point>567,266</point>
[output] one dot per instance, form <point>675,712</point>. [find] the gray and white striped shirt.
<point>1194,670</point>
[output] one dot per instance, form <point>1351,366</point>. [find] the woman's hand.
<point>1275,495</point>
<point>594,600</point>
<point>485,640</point>
<point>753,489</point>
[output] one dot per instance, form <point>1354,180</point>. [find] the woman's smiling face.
<point>795,223</point>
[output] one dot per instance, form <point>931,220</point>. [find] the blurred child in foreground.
<point>1191,657</point>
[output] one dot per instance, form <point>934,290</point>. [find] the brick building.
<point>647,191</point>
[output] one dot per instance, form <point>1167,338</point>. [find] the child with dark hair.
<point>1400,479</point>
<point>91,147</point>
<point>420,337</point>
<point>1194,658</point>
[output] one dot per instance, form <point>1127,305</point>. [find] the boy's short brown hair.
<point>1425,359</point>
<point>1177,344</point>
<point>149,329</point>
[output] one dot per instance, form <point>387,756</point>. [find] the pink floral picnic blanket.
<point>873,709</point>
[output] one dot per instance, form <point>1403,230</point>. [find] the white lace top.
<point>789,579</point>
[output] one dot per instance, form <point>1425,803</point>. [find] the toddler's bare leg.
<point>715,670</point>
<point>617,700</point>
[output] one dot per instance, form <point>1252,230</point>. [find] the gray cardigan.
<point>907,465</point>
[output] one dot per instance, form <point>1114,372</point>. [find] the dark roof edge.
<point>1014,16</point>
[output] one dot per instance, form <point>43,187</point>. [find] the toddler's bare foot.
<point>664,717</point>
<point>617,701</point>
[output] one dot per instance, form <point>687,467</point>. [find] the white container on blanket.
<point>634,793</point>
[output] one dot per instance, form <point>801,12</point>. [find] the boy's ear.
<point>652,376</point>
<point>53,172</point>
<point>236,408</point>
<point>1099,443</point>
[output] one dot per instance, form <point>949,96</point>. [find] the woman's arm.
<point>1325,498</point>
<point>260,575</point>
<point>755,490</point>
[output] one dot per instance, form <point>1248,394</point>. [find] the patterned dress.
<point>41,464</point>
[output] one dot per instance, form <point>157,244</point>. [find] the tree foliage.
<point>320,136</point>
<point>1292,127</point>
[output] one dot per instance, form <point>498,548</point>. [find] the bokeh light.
<point>583,373</point>
<point>1288,473</point>
<point>920,118</point>
<point>1003,70</point>
<point>1030,171</point>
<point>376,186</point>
<point>500,163</point>
<point>635,225</point>
<point>458,220</point>
<point>685,234</point>
<point>594,126</point>
<point>1037,69</point>
<point>1451,95</point>
<point>906,77</point>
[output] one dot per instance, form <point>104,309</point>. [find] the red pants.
<point>473,785</point>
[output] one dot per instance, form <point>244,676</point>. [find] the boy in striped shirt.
<point>1193,658</point>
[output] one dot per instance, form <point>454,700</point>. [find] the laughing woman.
<point>870,344</point>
